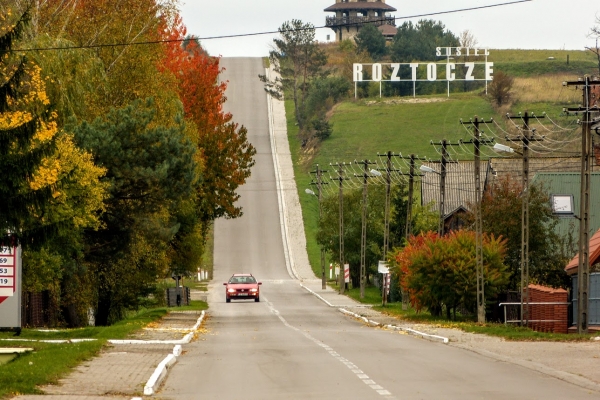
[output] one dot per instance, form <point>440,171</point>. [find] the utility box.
<point>178,296</point>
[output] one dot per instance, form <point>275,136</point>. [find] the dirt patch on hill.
<point>412,100</point>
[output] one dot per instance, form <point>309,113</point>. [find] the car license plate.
<point>242,294</point>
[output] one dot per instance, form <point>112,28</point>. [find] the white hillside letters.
<point>431,71</point>
<point>417,72</point>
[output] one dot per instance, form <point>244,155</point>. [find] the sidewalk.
<point>129,368</point>
<point>574,362</point>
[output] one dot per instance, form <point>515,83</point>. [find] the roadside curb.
<point>161,371</point>
<point>434,338</point>
<point>186,339</point>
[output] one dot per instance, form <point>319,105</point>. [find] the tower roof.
<point>360,5</point>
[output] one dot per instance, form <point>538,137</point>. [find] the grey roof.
<point>360,5</point>
<point>460,185</point>
<point>513,166</point>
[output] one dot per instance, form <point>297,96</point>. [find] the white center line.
<point>357,371</point>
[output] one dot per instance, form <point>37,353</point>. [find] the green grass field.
<point>365,127</point>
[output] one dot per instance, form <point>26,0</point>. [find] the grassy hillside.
<point>365,127</point>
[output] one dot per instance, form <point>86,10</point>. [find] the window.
<point>562,204</point>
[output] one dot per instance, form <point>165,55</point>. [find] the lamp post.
<point>323,281</point>
<point>319,183</point>
<point>363,242</point>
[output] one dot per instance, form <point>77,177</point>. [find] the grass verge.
<point>466,324</point>
<point>49,362</point>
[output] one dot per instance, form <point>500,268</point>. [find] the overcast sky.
<point>538,24</point>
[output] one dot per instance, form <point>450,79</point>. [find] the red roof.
<point>594,254</point>
<point>360,5</point>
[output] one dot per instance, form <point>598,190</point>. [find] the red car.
<point>243,287</point>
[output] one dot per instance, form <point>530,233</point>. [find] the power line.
<point>149,42</point>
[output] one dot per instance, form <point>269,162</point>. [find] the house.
<point>568,185</point>
<point>558,175</point>
<point>351,15</point>
<point>459,193</point>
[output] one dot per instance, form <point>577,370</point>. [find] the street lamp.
<point>425,168</point>
<point>501,147</point>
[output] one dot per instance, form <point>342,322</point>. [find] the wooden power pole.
<point>583,268</point>
<point>477,142</point>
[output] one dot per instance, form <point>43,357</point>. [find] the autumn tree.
<point>439,272</point>
<point>77,203</point>
<point>27,131</point>
<point>501,209</point>
<point>224,150</point>
<point>150,170</point>
<point>499,90</point>
<point>112,29</point>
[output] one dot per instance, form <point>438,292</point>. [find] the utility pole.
<point>319,175</point>
<point>363,239</point>
<point>583,269</point>
<point>386,229</point>
<point>411,190</point>
<point>340,178</point>
<point>477,142</point>
<point>443,172</point>
<point>526,138</point>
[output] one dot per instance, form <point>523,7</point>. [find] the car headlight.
<point>254,290</point>
<point>230,290</point>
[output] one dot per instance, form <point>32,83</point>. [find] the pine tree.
<point>27,130</point>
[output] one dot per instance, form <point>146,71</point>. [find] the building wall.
<point>548,317</point>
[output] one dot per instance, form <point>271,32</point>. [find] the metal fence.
<point>594,299</point>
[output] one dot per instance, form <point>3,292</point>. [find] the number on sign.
<point>3,281</point>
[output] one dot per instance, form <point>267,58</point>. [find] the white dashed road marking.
<point>357,371</point>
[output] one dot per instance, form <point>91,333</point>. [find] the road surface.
<point>290,345</point>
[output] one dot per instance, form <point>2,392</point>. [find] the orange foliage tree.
<point>439,272</point>
<point>226,154</point>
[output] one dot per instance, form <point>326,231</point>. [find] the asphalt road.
<point>291,345</point>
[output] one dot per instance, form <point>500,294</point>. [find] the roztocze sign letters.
<point>429,72</point>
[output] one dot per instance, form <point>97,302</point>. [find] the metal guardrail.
<point>551,303</point>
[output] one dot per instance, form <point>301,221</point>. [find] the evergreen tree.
<point>27,130</point>
<point>371,40</point>
<point>418,42</point>
<point>150,171</point>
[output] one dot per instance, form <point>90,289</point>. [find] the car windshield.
<point>242,279</point>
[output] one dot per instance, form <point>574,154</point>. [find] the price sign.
<point>7,251</point>
<point>4,271</point>
<point>10,287</point>
<point>7,272</point>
